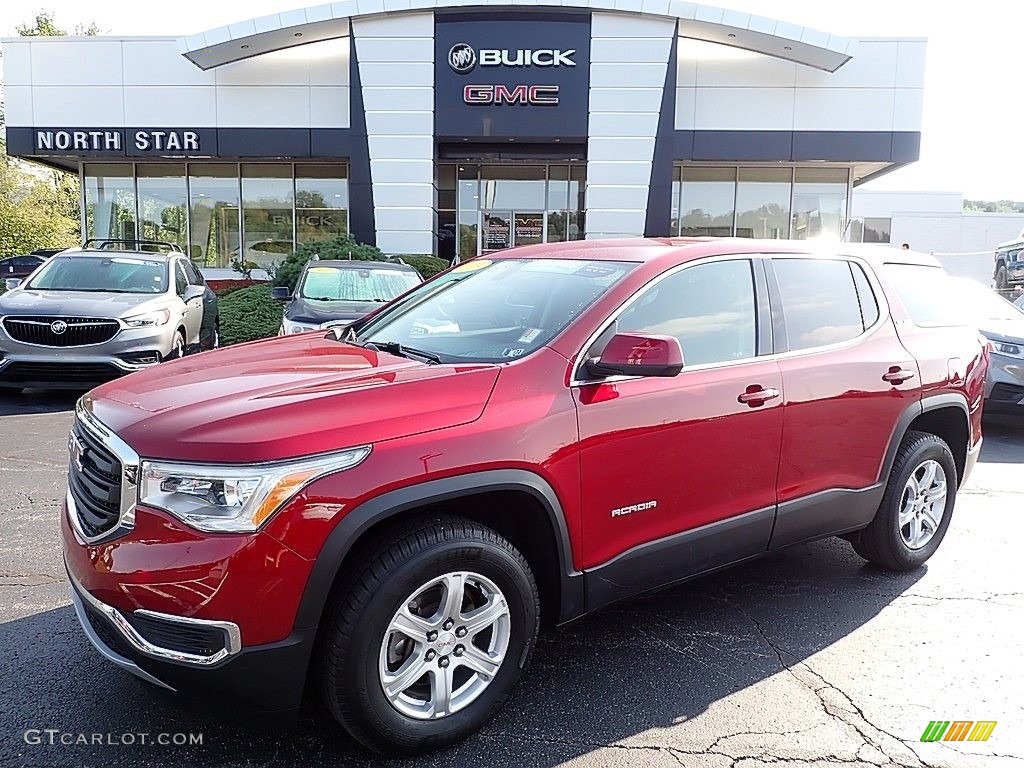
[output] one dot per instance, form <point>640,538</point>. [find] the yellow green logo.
<point>958,730</point>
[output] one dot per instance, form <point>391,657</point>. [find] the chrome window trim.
<point>130,462</point>
<point>880,297</point>
<point>232,634</point>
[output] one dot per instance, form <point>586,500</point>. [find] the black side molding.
<point>826,513</point>
<point>679,557</point>
<point>380,508</point>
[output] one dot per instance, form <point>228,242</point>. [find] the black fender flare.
<point>360,519</point>
<point>926,404</point>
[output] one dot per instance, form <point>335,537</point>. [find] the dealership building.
<point>458,128</point>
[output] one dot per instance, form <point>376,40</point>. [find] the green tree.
<point>44,25</point>
<point>340,247</point>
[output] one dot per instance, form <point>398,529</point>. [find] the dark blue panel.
<point>263,142</point>
<point>361,221</point>
<point>19,141</point>
<point>659,194</point>
<point>906,146</point>
<point>514,33</point>
<point>843,146</point>
<point>742,145</point>
<point>331,142</point>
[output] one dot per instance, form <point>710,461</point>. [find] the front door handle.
<point>897,375</point>
<point>756,395</point>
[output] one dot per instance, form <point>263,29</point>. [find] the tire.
<point>177,347</point>
<point>887,543</point>
<point>410,572</point>
<point>1002,279</point>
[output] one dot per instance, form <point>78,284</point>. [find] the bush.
<point>249,314</point>
<point>427,266</point>
<point>341,247</point>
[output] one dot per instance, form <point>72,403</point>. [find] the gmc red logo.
<point>537,95</point>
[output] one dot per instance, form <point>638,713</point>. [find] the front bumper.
<point>31,365</point>
<point>1004,385</point>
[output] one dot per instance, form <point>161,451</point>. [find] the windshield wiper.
<point>394,348</point>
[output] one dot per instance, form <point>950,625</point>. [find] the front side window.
<point>820,302</point>
<point>710,308</point>
<point>355,284</point>
<point>180,279</point>
<point>493,311</point>
<point>117,274</point>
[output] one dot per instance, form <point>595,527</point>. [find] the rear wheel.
<point>1002,278</point>
<point>917,506</point>
<point>428,638</point>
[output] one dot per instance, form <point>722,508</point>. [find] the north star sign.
<point>113,140</point>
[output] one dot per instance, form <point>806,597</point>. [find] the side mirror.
<point>631,354</point>
<point>281,293</point>
<point>194,292</point>
<point>11,283</point>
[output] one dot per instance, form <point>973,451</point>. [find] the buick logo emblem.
<point>462,58</point>
<point>58,327</point>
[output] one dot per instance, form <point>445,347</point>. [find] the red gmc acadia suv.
<point>389,511</point>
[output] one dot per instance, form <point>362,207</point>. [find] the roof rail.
<point>114,243</point>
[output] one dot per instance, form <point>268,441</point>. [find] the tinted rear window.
<point>928,293</point>
<point>820,302</point>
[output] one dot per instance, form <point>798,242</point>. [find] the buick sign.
<point>462,58</point>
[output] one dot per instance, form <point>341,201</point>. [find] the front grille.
<point>20,372</point>
<point>106,633</point>
<point>1011,393</point>
<point>94,478</point>
<point>195,639</point>
<point>74,331</point>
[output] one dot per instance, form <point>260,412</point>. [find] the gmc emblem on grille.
<point>75,449</point>
<point>58,327</point>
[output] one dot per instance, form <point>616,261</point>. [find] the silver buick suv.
<point>94,313</point>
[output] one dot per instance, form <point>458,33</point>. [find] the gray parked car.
<point>95,313</point>
<point>1002,323</point>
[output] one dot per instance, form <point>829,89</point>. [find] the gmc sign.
<point>537,95</point>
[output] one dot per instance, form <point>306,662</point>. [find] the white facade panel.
<point>636,148</point>
<point>907,110</point>
<point>617,196</point>
<point>76,62</point>
<point>403,195</point>
<point>618,172</point>
<point>412,74</point>
<point>17,61</point>
<point>615,25</point>
<point>400,123</point>
<point>406,241</point>
<point>766,109</point>
<point>329,62</point>
<point>388,99</point>
<point>382,49</point>
<point>623,124</point>
<point>616,223</point>
<point>406,25</point>
<point>639,51</point>
<point>910,63</point>
<point>686,108</point>
<point>329,107</point>
<point>169,105</point>
<point>18,104</point>
<point>242,106</point>
<point>397,171</point>
<point>402,147</point>
<point>411,219</point>
<point>611,99</point>
<point>718,66</point>
<point>87,106</point>
<point>156,62</point>
<point>280,68</point>
<point>843,109</point>
<point>874,66</point>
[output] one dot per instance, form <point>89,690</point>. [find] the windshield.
<point>494,311</point>
<point>116,274</point>
<point>350,284</point>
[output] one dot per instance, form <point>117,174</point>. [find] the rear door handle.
<point>897,375</point>
<point>757,395</point>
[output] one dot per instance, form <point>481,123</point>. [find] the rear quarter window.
<point>928,294</point>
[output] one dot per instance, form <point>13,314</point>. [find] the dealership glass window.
<point>707,198</point>
<point>469,209</point>
<point>819,202</point>
<point>762,202</point>
<point>877,230</point>
<point>110,200</point>
<point>321,202</point>
<point>213,213</point>
<point>163,202</point>
<point>267,210</point>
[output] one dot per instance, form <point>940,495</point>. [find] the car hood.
<point>301,310</point>
<point>1011,331</point>
<point>286,397</point>
<point>24,301</point>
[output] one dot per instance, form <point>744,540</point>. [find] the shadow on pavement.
<point>37,401</point>
<point>646,664</point>
<point>1003,437</point>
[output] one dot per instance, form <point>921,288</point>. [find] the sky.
<point>973,122</point>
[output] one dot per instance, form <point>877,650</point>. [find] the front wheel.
<point>917,506</point>
<point>429,636</point>
<point>1002,279</point>
<point>177,347</point>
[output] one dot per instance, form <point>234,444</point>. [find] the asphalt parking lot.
<point>807,658</point>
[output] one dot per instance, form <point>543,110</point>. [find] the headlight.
<point>234,499</point>
<point>1009,350</point>
<point>288,327</point>
<point>160,317</point>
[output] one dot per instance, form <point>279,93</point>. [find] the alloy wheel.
<point>445,645</point>
<point>922,504</point>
